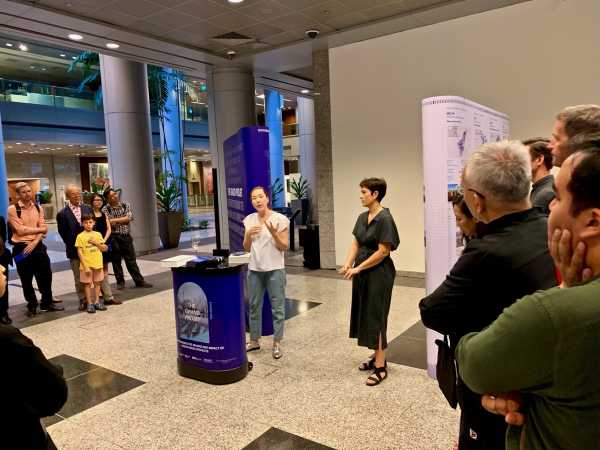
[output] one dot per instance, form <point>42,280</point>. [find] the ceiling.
<point>267,23</point>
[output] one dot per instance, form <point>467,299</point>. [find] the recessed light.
<point>305,91</point>
<point>75,37</point>
<point>235,2</point>
<point>70,145</point>
<point>73,57</point>
<point>43,69</point>
<point>112,46</point>
<point>8,44</point>
<point>32,67</point>
<point>18,143</point>
<point>10,146</point>
<point>23,47</point>
<point>62,55</point>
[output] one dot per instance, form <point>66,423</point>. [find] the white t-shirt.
<point>264,255</point>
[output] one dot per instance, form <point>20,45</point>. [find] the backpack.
<point>9,230</point>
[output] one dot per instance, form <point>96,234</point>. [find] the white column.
<point>231,107</point>
<point>306,136</point>
<point>129,140</point>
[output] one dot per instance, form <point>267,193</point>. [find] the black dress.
<point>372,288</point>
<point>101,227</point>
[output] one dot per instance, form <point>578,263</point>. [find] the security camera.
<point>312,33</point>
<point>231,54</point>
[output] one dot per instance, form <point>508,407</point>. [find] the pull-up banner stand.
<point>452,128</point>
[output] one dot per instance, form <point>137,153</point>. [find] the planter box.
<point>169,228</point>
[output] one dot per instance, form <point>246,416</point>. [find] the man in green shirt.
<point>545,346</point>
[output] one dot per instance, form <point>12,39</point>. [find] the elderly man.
<point>573,128</point>
<point>26,220</point>
<point>68,221</point>
<point>510,261</point>
<point>120,217</point>
<point>546,345</point>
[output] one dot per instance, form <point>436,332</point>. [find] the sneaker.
<point>277,353</point>
<point>252,346</point>
<point>91,309</point>
<point>99,307</point>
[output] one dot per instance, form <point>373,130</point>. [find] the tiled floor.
<point>129,395</point>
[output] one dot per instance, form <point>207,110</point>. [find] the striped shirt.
<point>116,212</point>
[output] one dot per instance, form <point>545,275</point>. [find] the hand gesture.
<point>272,228</point>
<point>351,272</point>
<point>570,262</point>
<point>30,247</point>
<point>342,270</point>
<point>254,231</point>
<point>507,405</point>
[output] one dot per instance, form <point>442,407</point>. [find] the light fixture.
<point>62,55</point>
<point>18,143</point>
<point>43,69</point>
<point>73,57</point>
<point>8,44</point>
<point>305,91</point>
<point>23,47</point>
<point>112,46</point>
<point>260,96</point>
<point>75,37</point>
<point>32,67</point>
<point>235,2</point>
<point>69,145</point>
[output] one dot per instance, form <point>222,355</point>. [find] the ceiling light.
<point>32,67</point>
<point>10,146</point>
<point>62,55</point>
<point>305,91</point>
<point>18,143</point>
<point>112,46</point>
<point>75,37</point>
<point>23,47</point>
<point>73,57</point>
<point>43,69</point>
<point>8,44</point>
<point>70,145</point>
<point>260,96</point>
<point>235,2</point>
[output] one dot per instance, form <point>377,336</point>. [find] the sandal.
<point>376,378</point>
<point>370,365</point>
<point>252,346</point>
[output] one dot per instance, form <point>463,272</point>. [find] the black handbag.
<point>445,371</point>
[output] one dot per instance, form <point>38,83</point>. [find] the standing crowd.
<point>94,236</point>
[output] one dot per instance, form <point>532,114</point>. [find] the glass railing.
<point>45,94</point>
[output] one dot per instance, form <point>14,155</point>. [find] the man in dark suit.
<point>68,221</point>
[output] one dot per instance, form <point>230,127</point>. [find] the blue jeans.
<point>274,282</point>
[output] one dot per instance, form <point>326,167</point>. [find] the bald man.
<point>68,221</point>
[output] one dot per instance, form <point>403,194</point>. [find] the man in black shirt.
<point>542,191</point>
<point>509,262</point>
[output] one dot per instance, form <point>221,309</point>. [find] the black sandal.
<point>370,365</point>
<point>376,378</point>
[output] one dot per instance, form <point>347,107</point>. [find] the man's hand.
<point>30,247</point>
<point>570,262</point>
<point>272,228</point>
<point>507,405</point>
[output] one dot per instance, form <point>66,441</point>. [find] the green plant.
<point>45,197</point>
<point>299,188</point>
<point>203,224</point>
<point>168,194</point>
<point>276,189</point>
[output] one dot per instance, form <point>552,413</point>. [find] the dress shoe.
<point>120,285</point>
<point>5,320</point>
<point>56,301</point>
<point>113,301</point>
<point>144,284</point>
<point>31,312</point>
<point>51,307</point>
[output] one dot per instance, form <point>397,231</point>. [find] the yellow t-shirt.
<point>92,256</point>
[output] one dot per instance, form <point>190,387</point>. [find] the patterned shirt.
<point>76,209</point>
<point>116,212</point>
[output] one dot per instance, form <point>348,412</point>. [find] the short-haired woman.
<point>266,238</point>
<point>372,272</point>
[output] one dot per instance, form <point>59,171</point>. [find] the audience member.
<point>573,127</point>
<point>68,221</point>
<point>510,261</point>
<point>90,245</point>
<point>120,217</point>
<point>26,219</point>
<point>5,261</point>
<point>542,191</point>
<point>545,346</point>
<point>470,227</point>
<point>103,227</point>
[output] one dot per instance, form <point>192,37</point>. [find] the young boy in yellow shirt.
<point>90,246</point>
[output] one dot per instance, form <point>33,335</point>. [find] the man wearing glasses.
<point>510,261</point>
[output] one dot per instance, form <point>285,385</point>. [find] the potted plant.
<point>299,189</point>
<point>45,198</point>
<point>170,216</point>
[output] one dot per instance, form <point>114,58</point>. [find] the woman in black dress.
<point>372,272</point>
<point>5,260</point>
<point>102,226</point>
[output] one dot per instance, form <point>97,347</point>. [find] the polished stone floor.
<point>125,392</point>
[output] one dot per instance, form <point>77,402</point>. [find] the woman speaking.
<point>372,272</point>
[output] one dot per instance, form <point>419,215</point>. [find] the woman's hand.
<point>342,270</point>
<point>350,273</point>
<point>253,231</point>
<point>272,228</point>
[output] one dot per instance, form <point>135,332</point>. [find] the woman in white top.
<point>266,238</point>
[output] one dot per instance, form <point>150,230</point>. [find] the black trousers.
<point>37,265</point>
<point>4,298</point>
<point>122,248</point>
